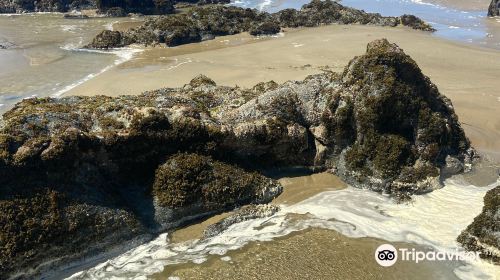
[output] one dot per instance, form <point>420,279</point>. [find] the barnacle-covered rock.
<point>390,127</point>
<point>206,22</point>
<point>139,165</point>
<point>483,235</point>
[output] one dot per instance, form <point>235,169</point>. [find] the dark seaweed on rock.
<point>149,7</point>
<point>20,6</point>
<point>186,179</point>
<point>112,8</point>
<point>494,8</point>
<point>129,166</point>
<point>392,127</point>
<point>204,23</point>
<point>483,235</point>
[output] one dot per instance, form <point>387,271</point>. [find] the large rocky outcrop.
<point>14,6</point>
<point>148,7</point>
<point>494,8</point>
<point>483,235</point>
<point>204,23</point>
<point>109,169</point>
<point>108,7</point>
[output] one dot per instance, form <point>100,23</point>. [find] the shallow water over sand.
<point>364,218</point>
<point>45,58</point>
<point>463,21</point>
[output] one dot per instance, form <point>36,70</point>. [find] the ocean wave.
<point>70,28</point>
<point>434,220</point>
<point>123,55</point>
<point>420,2</point>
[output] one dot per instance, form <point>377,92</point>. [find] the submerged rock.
<point>133,166</point>
<point>75,16</point>
<point>483,235</point>
<point>206,22</point>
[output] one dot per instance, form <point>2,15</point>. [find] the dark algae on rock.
<point>21,6</point>
<point>110,169</point>
<point>494,8</point>
<point>206,22</point>
<point>394,128</point>
<point>483,235</point>
<point>112,8</point>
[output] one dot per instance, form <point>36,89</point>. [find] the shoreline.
<point>286,257</point>
<point>463,73</point>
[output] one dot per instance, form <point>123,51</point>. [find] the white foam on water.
<point>264,4</point>
<point>177,63</point>
<point>70,28</point>
<point>109,26</point>
<point>123,55</point>
<point>420,2</point>
<point>434,219</point>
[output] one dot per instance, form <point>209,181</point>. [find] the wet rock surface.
<point>111,8</point>
<point>245,213</point>
<point>206,22</point>
<point>494,8</point>
<point>8,6</point>
<point>483,235</point>
<point>148,7</point>
<point>133,166</point>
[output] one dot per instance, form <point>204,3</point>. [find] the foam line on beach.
<point>123,55</point>
<point>434,220</point>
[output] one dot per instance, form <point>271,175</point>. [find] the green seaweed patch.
<point>483,231</point>
<point>186,179</point>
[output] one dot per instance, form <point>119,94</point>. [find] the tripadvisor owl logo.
<point>386,255</point>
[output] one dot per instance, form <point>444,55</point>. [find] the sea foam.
<point>433,220</point>
<point>122,54</point>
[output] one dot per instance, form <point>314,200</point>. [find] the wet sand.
<point>195,231</point>
<point>299,188</point>
<point>466,74</point>
<point>310,254</point>
<point>295,189</point>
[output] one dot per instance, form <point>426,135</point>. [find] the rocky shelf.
<point>112,8</point>
<point>80,175</point>
<point>205,22</point>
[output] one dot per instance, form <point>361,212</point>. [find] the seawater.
<point>461,25</point>
<point>433,220</point>
<point>47,59</point>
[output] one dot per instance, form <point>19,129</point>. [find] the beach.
<point>325,228</point>
<point>310,254</point>
<point>465,74</point>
